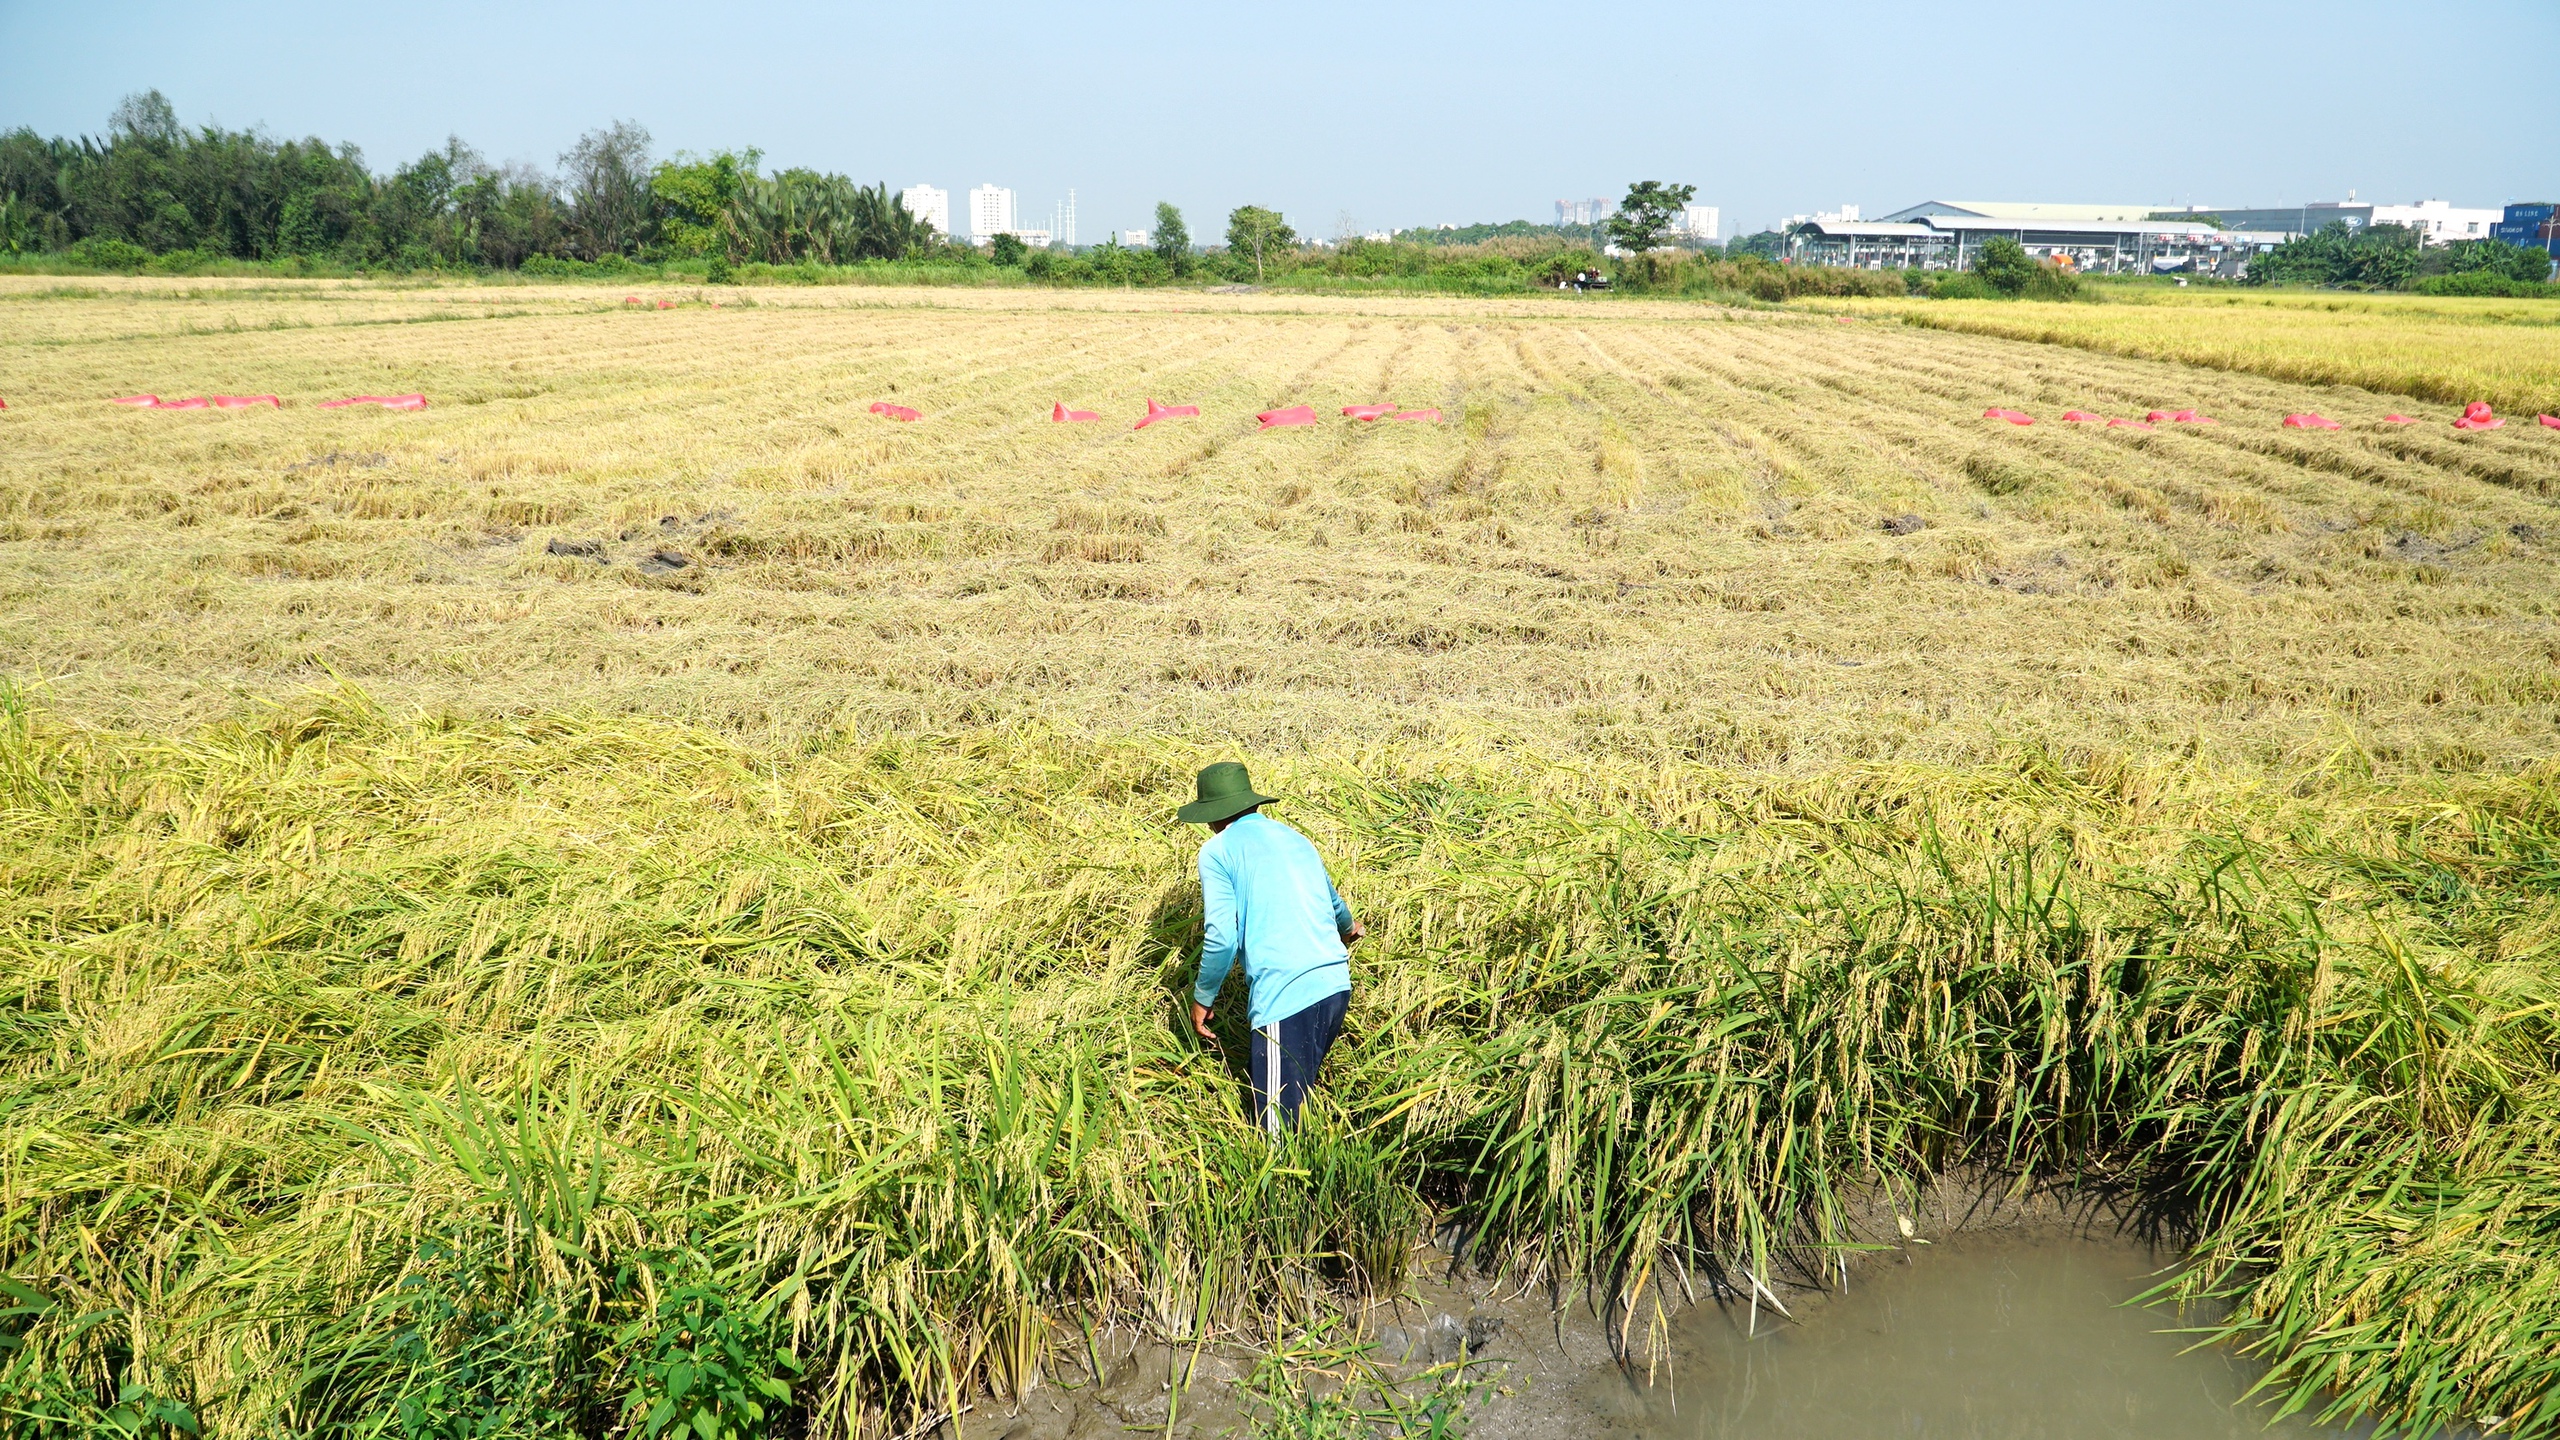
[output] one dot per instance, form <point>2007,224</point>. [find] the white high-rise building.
<point>990,212</point>
<point>1581,212</point>
<point>931,204</point>
<point>1136,239</point>
<point>1699,222</point>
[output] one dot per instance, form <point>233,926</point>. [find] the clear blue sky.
<point>1398,114</point>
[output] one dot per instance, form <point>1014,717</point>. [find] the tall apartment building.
<point>990,212</point>
<point>1584,212</point>
<point>1700,222</point>
<point>931,204</point>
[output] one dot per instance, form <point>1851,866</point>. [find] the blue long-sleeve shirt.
<point>1265,894</point>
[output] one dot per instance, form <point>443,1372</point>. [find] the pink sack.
<point>2135,424</point>
<point>2309,422</point>
<point>387,402</point>
<point>147,402</point>
<point>2189,417</point>
<point>630,299</point>
<point>895,412</point>
<point>2551,420</point>
<point>4,404</point>
<point>2477,410</point>
<point>2014,417</point>
<point>1294,415</point>
<point>666,304</point>
<point>2399,419</point>
<point>2080,415</point>
<point>243,402</point>
<point>1156,412</point>
<point>1428,417</point>
<point>1062,415</point>
<point>2491,423</point>
<point>1368,412</point>
<point>192,402</point>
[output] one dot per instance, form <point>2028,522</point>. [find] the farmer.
<point>1265,895</point>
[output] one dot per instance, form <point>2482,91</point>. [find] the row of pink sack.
<point>1271,419</point>
<point>243,402</point>
<point>2475,416</point>
<point>2156,417</point>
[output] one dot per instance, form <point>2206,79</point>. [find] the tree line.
<point>155,192</point>
<point>2391,257</point>
<point>154,187</point>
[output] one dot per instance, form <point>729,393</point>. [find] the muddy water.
<point>2000,1336</point>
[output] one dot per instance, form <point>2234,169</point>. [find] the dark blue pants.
<point>1286,1056</point>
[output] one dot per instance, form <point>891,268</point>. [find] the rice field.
<point>645,890</point>
<point>1655,530</point>
<point>2448,349</point>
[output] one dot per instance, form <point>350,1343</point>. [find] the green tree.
<point>2378,257</point>
<point>1008,249</point>
<point>695,199</point>
<point>1254,231</point>
<point>1645,218</point>
<point>2004,265</point>
<point>1760,244</point>
<point>607,176</point>
<point>1173,238</point>
<point>2385,257</point>
<point>298,229</point>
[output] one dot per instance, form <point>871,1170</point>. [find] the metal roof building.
<point>2024,210</point>
<point>1947,241</point>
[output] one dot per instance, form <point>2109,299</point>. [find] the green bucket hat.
<point>1225,793</point>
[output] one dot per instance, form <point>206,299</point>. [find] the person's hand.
<point>1353,935</point>
<point>1200,1020</point>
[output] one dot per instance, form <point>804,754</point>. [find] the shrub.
<point>2490,257</point>
<point>717,271</point>
<point>2053,282</point>
<point>1763,281</point>
<point>98,252</point>
<point>2487,282</point>
<point>1007,250</point>
<point>182,262</point>
<point>552,265</point>
<point>2003,264</point>
<point>1963,285</point>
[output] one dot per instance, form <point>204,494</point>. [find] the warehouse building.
<point>1941,235</point>
<point>2437,222</point>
